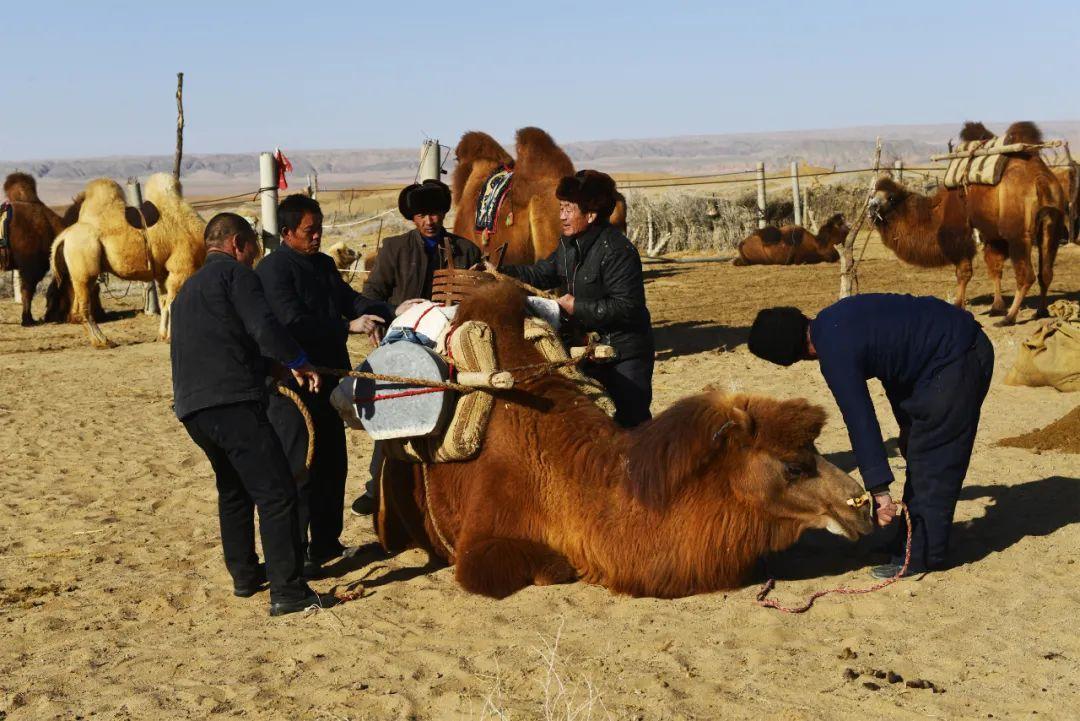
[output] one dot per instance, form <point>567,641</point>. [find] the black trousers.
<point>629,383</point>
<point>252,473</point>
<point>938,421</point>
<point>322,490</point>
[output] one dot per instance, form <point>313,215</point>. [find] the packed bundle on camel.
<point>27,230</point>
<point>110,237</point>
<point>684,504</point>
<point>1026,208</point>
<point>981,156</point>
<point>793,244</point>
<point>502,200</point>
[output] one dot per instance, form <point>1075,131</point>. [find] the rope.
<point>112,295</point>
<point>764,601</point>
<point>351,223</point>
<point>293,396</point>
<point>431,514</point>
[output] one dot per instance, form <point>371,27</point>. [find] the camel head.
<point>20,188</point>
<point>834,230</point>
<point>887,197</point>
<point>750,455</point>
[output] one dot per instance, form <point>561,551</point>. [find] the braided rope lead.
<point>764,601</point>
<point>293,396</point>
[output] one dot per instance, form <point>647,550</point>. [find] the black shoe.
<point>313,563</point>
<point>250,588</point>
<point>281,608</point>
<point>363,505</point>
<point>890,570</point>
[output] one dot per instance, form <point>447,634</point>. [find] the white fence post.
<point>268,195</point>
<point>133,197</point>
<point>898,167</point>
<point>430,165</point>
<point>796,198</point>
<point>16,287</point>
<point>761,194</point>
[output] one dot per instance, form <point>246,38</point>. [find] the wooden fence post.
<point>761,194</point>
<point>796,198</point>
<point>133,197</point>
<point>315,184</point>
<point>849,279</point>
<point>268,195</point>
<point>898,170</point>
<point>430,165</point>
<point>179,125</point>
<point>16,290</point>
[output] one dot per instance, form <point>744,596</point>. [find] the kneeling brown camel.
<point>793,244</point>
<point>684,504</point>
<point>1026,208</point>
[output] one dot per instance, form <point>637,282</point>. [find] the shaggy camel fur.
<point>33,227</point>
<point>103,241</point>
<point>1069,177</point>
<point>535,230</point>
<point>684,504</point>
<point>1025,209</point>
<point>793,244</point>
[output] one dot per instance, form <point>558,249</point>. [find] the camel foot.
<point>996,312</point>
<point>1005,322</point>
<point>1042,313</point>
<point>27,322</point>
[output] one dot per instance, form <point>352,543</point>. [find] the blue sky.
<point>88,79</point>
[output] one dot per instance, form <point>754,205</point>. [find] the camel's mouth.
<point>850,523</point>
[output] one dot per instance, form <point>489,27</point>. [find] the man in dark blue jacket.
<point>223,334</point>
<point>598,271</point>
<point>320,310</point>
<point>935,364</point>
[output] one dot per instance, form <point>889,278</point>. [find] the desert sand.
<point>115,604</point>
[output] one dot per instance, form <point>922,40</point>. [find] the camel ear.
<point>739,424</point>
<point>149,211</point>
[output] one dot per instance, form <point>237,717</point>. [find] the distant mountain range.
<point>226,173</point>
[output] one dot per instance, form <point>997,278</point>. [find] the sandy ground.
<point>114,602</point>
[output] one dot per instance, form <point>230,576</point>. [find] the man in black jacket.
<point>599,272</point>
<point>406,263</point>
<point>222,328</point>
<point>310,298</point>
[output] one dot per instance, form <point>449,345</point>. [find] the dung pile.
<point>1061,435</point>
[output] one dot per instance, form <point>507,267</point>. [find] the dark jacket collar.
<point>217,256</point>
<point>585,239</point>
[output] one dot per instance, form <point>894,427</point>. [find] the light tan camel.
<point>104,241</point>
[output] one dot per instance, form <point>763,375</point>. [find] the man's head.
<point>229,233</point>
<point>780,335</point>
<point>584,198</point>
<point>426,205</point>
<point>300,220</point>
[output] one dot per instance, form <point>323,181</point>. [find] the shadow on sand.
<point>689,337</point>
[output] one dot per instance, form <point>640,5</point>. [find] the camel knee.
<point>499,567</point>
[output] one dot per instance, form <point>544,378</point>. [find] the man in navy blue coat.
<point>935,364</point>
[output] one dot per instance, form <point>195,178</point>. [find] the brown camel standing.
<point>33,227</point>
<point>793,244</point>
<point>1025,209</point>
<point>684,504</point>
<point>528,218</point>
<point>104,240</point>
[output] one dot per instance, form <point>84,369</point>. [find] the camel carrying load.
<point>556,492</point>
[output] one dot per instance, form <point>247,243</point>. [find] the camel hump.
<point>770,235</point>
<point>973,131</point>
<point>538,154</point>
<point>477,145</point>
<point>1023,131</point>
<point>21,188</point>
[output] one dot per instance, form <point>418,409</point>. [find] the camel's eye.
<point>796,470</point>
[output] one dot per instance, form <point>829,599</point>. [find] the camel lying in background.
<point>1026,208</point>
<point>528,219</point>
<point>104,240</point>
<point>34,225</point>
<point>793,244</point>
<point>684,504</point>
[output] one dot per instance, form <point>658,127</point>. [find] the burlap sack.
<point>1051,356</point>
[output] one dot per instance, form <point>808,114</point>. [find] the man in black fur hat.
<point>599,272</point>
<point>405,267</point>
<point>406,263</point>
<point>935,364</point>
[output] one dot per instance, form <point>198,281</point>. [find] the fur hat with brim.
<point>591,190</point>
<point>778,335</point>
<point>432,197</point>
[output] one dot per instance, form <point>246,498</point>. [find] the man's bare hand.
<point>376,335</point>
<point>307,378</point>
<point>885,509</point>
<point>365,324</point>
<point>566,303</point>
<point>406,304</point>
<point>486,265</point>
